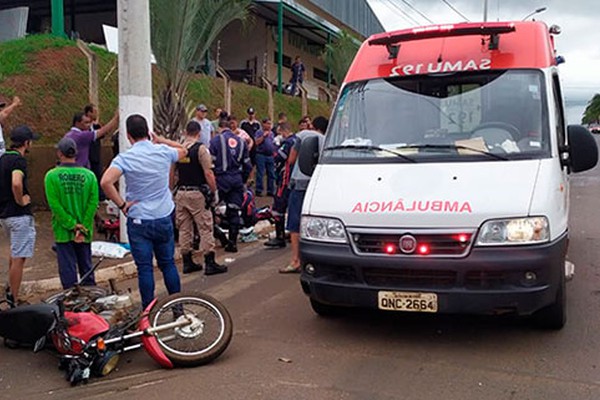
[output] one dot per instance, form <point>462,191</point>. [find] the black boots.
<point>189,265</point>
<point>212,268</point>
<point>232,245</point>
<point>279,240</point>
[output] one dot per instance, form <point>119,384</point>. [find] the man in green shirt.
<point>72,194</point>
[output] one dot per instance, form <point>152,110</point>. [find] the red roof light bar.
<point>438,31</point>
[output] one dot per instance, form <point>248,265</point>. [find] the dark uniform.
<point>232,168</point>
<point>283,171</point>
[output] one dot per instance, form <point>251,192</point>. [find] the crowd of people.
<point>169,185</point>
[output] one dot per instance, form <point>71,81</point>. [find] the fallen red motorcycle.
<point>90,327</point>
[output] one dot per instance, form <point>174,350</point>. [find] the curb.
<point>120,272</point>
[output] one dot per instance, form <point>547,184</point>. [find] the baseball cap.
<point>250,110</point>
<point>201,107</point>
<point>23,133</point>
<point>68,147</point>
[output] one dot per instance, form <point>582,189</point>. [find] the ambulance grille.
<point>454,244</point>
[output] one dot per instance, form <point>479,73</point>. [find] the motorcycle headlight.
<point>323,229</point>
<point>518,231</point>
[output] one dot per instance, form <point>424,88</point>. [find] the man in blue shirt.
<point>148,204</point>
<point>232,167</point>
<point>265,149</point>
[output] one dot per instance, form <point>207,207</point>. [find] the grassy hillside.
<point>50,76</point>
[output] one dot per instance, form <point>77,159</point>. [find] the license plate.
<point>407,301</point>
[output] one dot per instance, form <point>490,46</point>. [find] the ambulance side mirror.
<point>583,150</point>
<point>308,155</point>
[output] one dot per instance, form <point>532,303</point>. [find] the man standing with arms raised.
<point>83,134</point>
<point>148,204</point>
<point>4,113</point>
<point>15,207</point>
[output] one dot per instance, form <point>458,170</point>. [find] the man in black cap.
<point>15,207</point>
<point>72,194</point>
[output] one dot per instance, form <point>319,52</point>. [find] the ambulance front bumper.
<point>489,280</point>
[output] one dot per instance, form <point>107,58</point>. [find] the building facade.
<point>264,46</point>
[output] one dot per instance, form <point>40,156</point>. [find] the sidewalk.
<point>41,272</point>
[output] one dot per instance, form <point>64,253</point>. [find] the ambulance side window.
<point>558,110</point>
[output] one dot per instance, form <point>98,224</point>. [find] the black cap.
<point>250,110</point>
<point>67,147</point>
<point>23,133</point>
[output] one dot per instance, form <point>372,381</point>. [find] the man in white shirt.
<point>207,130</point>
<point>4,113</point>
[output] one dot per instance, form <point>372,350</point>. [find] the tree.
<point>339,54</point>
<point>182,33</point>
<point>592,111</point>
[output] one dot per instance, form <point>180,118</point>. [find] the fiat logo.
<point>408,244</point>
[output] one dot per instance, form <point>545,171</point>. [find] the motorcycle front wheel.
<point>204,338</point>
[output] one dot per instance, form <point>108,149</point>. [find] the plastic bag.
<point>108,250</point>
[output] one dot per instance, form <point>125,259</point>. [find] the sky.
<point>579,42</point>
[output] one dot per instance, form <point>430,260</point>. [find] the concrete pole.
<point>135,73</point>
<point>485,10</point>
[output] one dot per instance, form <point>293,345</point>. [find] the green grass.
<point>15,53</point>
<point>52,94</point>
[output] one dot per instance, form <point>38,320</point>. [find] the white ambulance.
<point>443,182</point>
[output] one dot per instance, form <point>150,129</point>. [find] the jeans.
<point>71,257</point>
<point>148,237</point>
<point>265,162</point>
<point>295,210</point>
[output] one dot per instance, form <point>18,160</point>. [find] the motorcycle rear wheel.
<point>201,341</point>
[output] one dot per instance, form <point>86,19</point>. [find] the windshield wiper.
<point>369,147</point>
<point>454,147</point>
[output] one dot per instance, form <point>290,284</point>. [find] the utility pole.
<point>135,73</point>
<point>485,10</point>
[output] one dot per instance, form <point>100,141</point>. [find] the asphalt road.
<point>282,350</point>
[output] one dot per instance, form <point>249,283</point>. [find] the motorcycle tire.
<point>200,342</point>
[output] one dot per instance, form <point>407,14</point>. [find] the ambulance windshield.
<point>474,116</point>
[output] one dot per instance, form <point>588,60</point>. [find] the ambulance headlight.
<point>322,229</point>
<point>517,231</point>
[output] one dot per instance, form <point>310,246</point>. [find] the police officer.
<point>232,167</point>
<point>196,188</point>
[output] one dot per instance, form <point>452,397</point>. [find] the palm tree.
<point>182,33</point>
<point>339,55</point>
<point>592,111</point>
